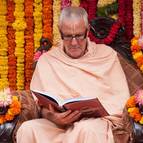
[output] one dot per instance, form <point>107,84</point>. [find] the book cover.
<point>82,104</point>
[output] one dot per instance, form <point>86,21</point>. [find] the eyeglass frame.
<point>77,36</point>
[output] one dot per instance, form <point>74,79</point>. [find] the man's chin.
<point>74,56</point>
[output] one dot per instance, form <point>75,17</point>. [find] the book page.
<point>70,100</point>
<point>61,101</point>
<point>46,96</point>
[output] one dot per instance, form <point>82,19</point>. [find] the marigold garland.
<point>137,17</point>
<point>142,17</point>
<point>75,2</point>
<point>37,22</point>
<point>102,3</point>
<point>11,45</point>
<point>47,19</point>
<point>56,13</point>
<point>137,52</point>
<point>29,42</point>
<point>19,25</point>
<point>13,110</point>
<point>134,106</point>
<point>3,45</point>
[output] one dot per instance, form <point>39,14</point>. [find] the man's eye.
<point>67,36</point>
<point>79,36</point>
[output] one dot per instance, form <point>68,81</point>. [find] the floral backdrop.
<point>24,22</point>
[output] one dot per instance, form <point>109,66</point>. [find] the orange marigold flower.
<point>2,120</point>
<point>9,117</point>
<point>137,117</point>
<point>133,111</point>
<point>141,120</point>
<point>13,110</point>
<point>137,53</point>
<point>131,102</point>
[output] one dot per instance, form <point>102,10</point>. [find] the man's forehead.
<point>78,25</point>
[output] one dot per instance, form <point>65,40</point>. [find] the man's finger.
<point>51,108</point>
<point>64,114</point>
<point>73,116</point>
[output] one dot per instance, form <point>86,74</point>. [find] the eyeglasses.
<point>78,37</point>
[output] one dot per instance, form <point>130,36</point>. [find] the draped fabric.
<point>97,74</point>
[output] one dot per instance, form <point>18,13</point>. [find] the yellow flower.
<point>137,55</point>
<point>14,98</point>
<point>141,121</point>
<point>14,109</point>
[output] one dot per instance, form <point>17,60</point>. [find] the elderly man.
<point>77,67</point>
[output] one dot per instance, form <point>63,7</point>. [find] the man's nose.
<point>74,41</point>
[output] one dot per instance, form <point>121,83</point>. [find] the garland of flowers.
<point>75,2</point>
<point>56,13</point>
<point>90,7</point>
<point>137,52</point>
<point>37,23</point>
<point>65,3</point>
<point>13,105</point>
<point>103,3</point>
<point>3,45</point>
<point>134,106</point>
<point>29,42</point>
<point>142,17</point>
<point>137,40</point>
<point>47,19</point>
<point>137,17</point>
<point>129,20</point>
<point>115,27</point>
<point>11,45</point>
<point>108,10</point>
<point>19,25</point>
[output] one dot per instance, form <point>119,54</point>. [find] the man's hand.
<point>63,119</point>
<point>89,112</point>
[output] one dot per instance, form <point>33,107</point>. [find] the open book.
<point>80,103</point>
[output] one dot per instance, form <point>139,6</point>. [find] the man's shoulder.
<point>48,53</point>
<point>105,50</point>
<point>103,47</point>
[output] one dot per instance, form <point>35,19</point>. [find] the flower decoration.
<point>19,26</point>
<point>47,17</point>
<point>136,17</point>
<point>38,54</point>
<point>91,8</point>
<point>11,45</point>
<point>10,106</point>
<point>135,106</point>
<point>3,47</point>
<point>139,97</point>
<point>102,3</point>
<point>37,15</point>
<point>5,99</point>
<point>56,13</point>
<point>137,53</point>
<point>29,42</point>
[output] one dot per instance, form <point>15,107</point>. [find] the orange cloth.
<point>97,74</point>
